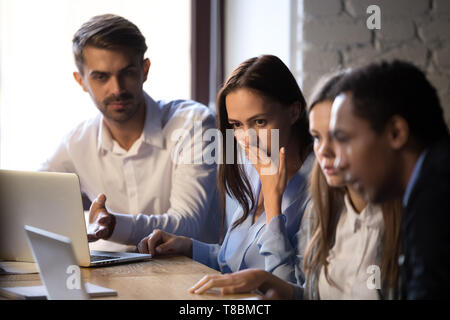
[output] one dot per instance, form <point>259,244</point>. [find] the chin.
<point>120,117</point>
<point>335,182</point>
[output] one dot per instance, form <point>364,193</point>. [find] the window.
<point>39,99</point>
<point>255,27</point>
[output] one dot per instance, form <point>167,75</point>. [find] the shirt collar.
<point>298,182</point>
<point>104,139</point>
<point>371,216</point>
<point>294,187</point>
<point>152,132</point>
<point>414,177</point>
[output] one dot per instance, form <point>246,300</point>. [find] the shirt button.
<point>357,225</point>
<point>401,260</point>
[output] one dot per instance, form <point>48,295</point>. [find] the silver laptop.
<point>58,268</point>
<point>54,256</point>
<point>50,201</point>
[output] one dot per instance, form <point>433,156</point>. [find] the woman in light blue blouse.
<point>260,99</point>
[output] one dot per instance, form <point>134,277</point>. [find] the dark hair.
<point>328,203</point>
<point>384,89</point>
<point>270,77</point>
<point>324,89</point>
<point>107,31</point>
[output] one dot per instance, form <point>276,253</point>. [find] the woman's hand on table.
<point>246,281</point>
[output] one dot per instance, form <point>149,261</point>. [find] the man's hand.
<point>101,222</point>
<point>163,243</point>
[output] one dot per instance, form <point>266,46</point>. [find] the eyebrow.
<point>98,72</point>
<point>251,118</point>
<point>335,132</point>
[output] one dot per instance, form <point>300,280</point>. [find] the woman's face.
<point>248,110</point>
<point>319,120</point>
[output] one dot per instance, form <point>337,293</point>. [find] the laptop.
<point>59,272</point>
<point>50,201</point>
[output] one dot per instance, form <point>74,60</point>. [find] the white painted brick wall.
<point>392,8</point>
<point>322,8</point>
<point>442,6</point>
<point>334,35</point>
<point>442,58</point>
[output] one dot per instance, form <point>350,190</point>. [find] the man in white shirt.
<point>126,152</point>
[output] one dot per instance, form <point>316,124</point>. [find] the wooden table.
<point>163,278</point>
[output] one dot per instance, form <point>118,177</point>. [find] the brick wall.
<point>333,33</point>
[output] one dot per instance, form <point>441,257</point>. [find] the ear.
<point>79,79</point>
<point>398,132</point>
<point>294,112</point>
<point>147,64</point>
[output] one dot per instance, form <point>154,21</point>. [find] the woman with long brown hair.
<point>343,241</point>
<point>263,108</point>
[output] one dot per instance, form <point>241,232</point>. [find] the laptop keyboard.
<point>101,258</point>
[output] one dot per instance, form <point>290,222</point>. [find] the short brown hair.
<point>107,31</point>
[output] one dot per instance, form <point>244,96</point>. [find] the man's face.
<point>364,155</point>
<point>114,79</point>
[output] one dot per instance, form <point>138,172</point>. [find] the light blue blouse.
<point>253,245</point>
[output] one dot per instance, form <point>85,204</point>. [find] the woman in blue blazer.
<point>260,99</point>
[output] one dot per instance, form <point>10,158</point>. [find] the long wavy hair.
<point>328,203</point>
<point>270,77</point>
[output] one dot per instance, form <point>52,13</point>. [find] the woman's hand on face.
<point>163,243</point>
<point>273,178</point>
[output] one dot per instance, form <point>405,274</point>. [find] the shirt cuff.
<point>123,228</point>
<point>200,252</point>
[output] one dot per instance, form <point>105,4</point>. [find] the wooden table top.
<point>162,278</point>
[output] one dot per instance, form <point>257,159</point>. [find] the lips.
<point>118,105</point>
<point>329,170</point>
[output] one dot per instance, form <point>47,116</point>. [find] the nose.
<point>341,160</point>
<point>115,85</point>
<point>326,148</point>
<point>246,136</point>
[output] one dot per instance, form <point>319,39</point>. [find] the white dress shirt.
<point>357,244</point>
<point>144,184</point>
